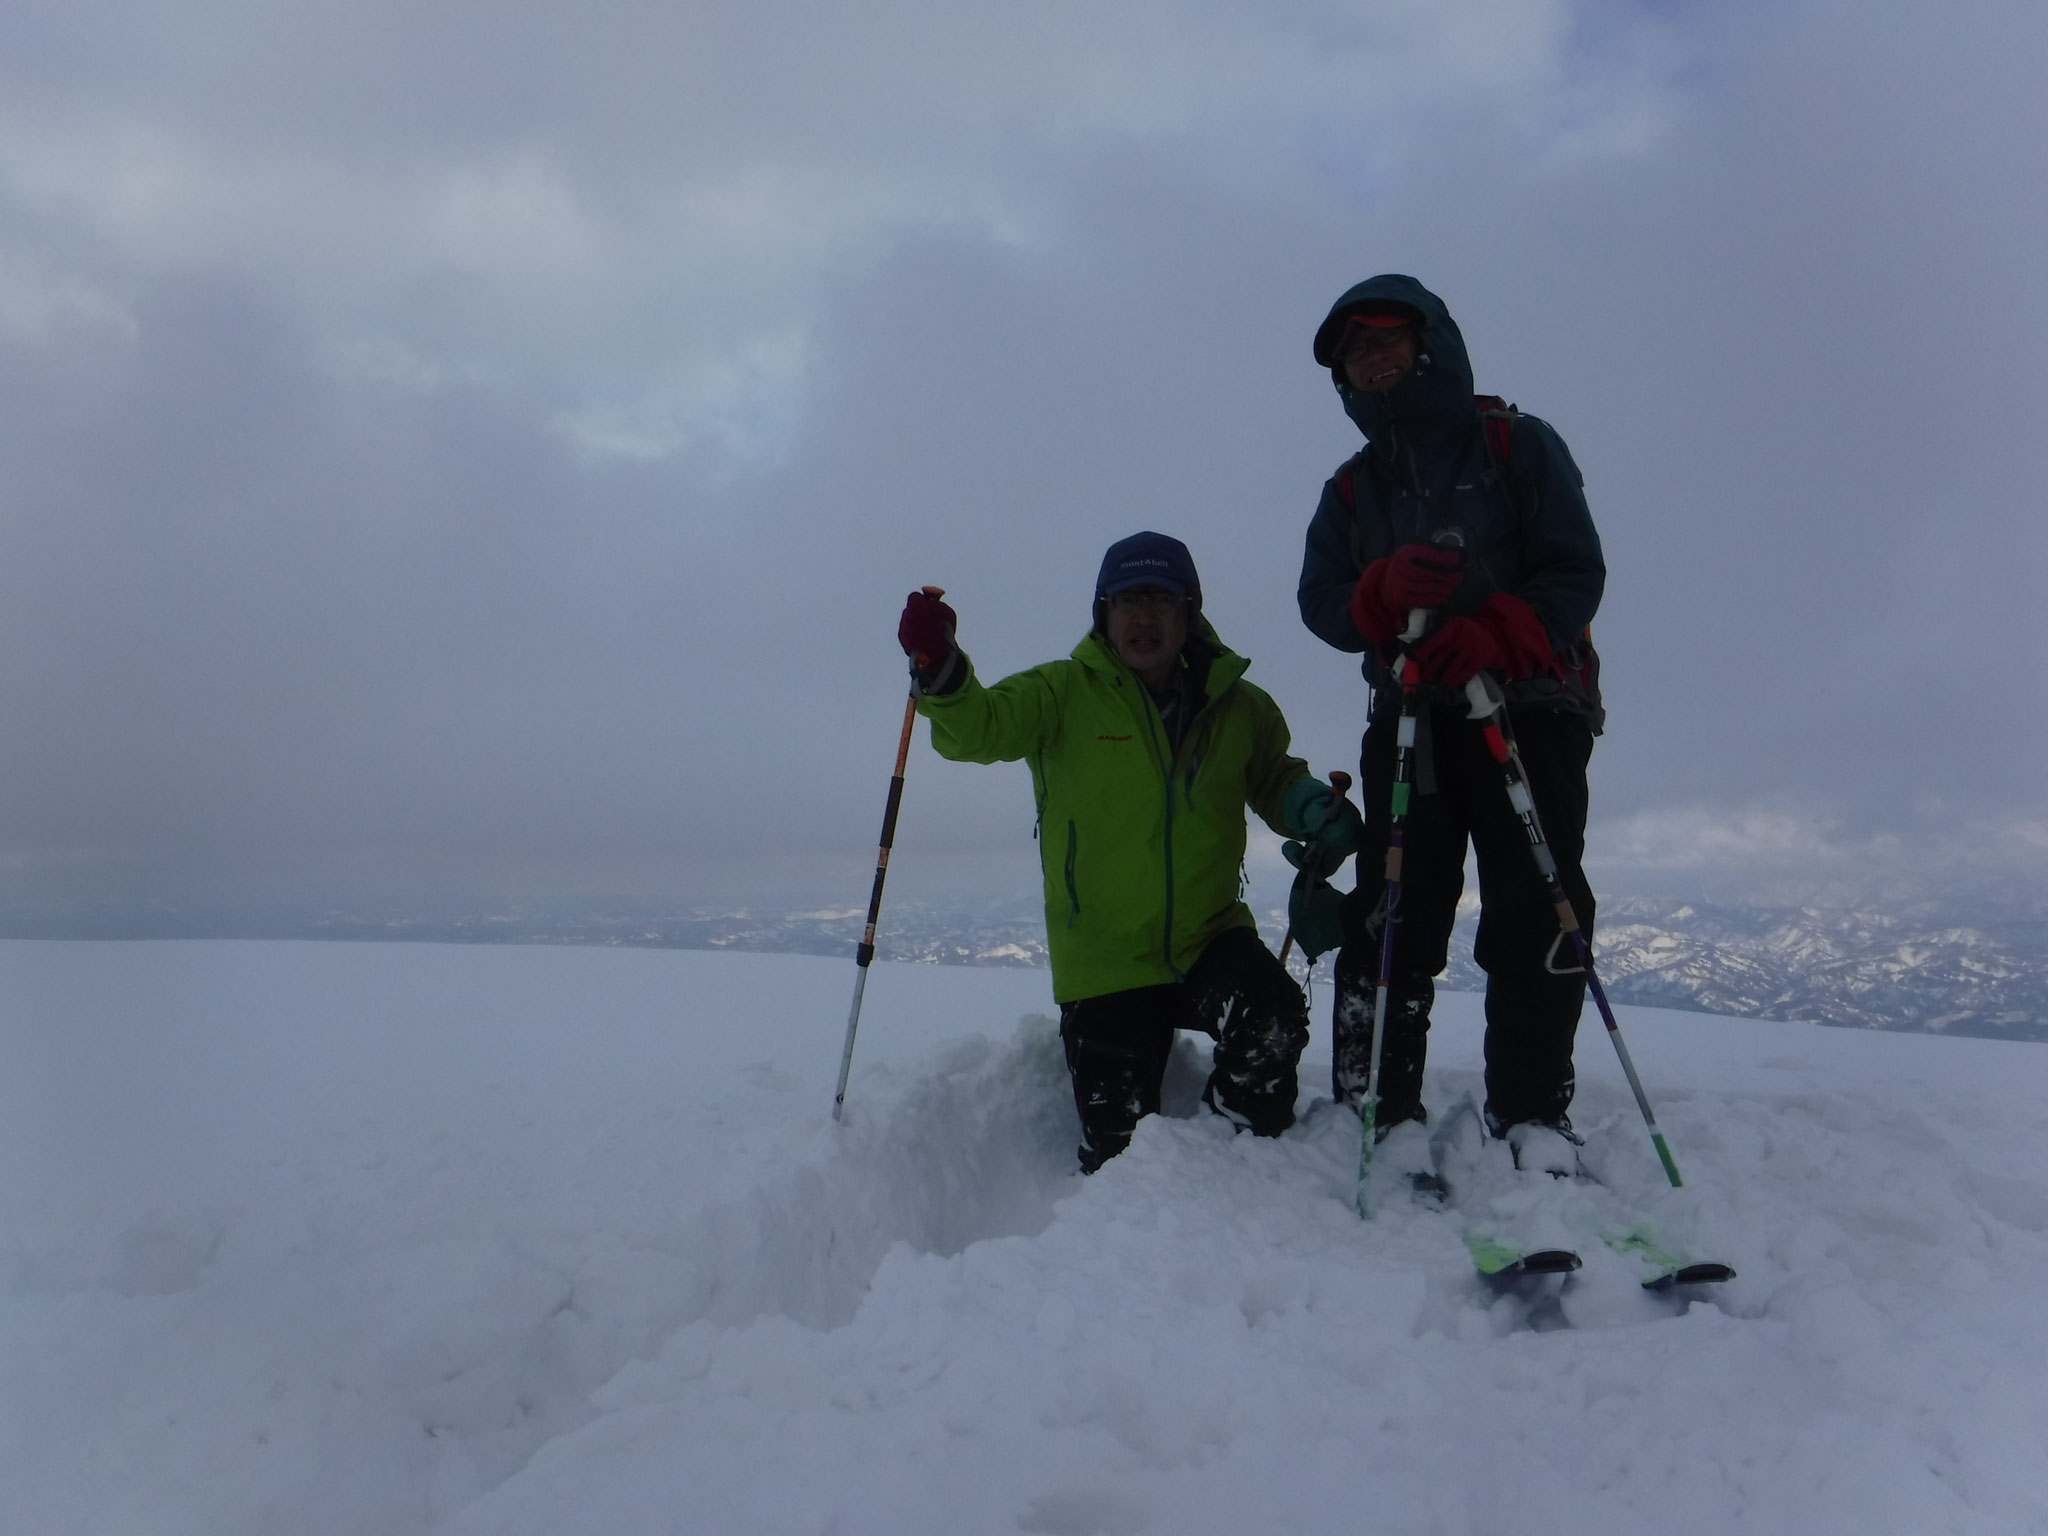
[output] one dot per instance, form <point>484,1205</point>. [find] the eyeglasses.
<point>1361,339</point>
<point>1141,599</point>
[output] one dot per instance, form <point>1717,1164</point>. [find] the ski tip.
<point>1497,1261</point>
<point>1691,1274</point>
<point>1547,1261</point>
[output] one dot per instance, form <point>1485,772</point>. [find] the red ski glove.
<point>926,634</point>
<point>926,631</point>
<point>1505,637</point>
<point>1370,615</point>
<point>1413,576</point>
<point>1458,651</point>
<point>1421,576</point>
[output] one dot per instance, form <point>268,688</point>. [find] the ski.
<point>1664,1267</point>
<point>1501,1263</point>
<point>1666,1270</point>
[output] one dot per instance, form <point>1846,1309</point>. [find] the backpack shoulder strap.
<point>1497,418</point>
<point>1345,492</point>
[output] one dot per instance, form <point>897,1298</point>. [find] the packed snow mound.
<point>323,1238</point>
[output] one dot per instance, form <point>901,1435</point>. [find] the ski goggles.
<point>1367,334</point>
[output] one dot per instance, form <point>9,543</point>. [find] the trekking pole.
<point>866,951</point>
<point>1311,861</point>
<point>1489,704</point>
<point>1410,676</point>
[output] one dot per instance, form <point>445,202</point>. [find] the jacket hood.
<point>1436,397</point>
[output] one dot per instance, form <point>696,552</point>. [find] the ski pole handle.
<point>1418,618</point>
<point>1483,696</point>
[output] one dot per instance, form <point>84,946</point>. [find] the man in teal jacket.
<point>1492,538</point>
<point>1146,746</point>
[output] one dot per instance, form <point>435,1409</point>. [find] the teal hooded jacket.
<point>1425,468</point>
<point>1142,847</point>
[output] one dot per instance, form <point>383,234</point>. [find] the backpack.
<point>1576,683</point>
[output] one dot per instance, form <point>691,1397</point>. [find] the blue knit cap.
<point>1148,560</point>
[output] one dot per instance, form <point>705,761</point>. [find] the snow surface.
<point>303,1238</point>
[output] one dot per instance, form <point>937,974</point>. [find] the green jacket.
<point>1142,853</point>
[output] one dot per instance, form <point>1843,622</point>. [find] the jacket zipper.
<point>1153,728</point>
<point>1073,886</point>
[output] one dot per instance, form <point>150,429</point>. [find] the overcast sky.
<point>472,448</point>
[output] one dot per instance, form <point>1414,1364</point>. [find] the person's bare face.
<point>1147,627</point>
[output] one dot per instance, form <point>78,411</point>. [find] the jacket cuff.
<point>936,685</point>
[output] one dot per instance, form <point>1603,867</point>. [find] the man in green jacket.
<point>1146,746</point>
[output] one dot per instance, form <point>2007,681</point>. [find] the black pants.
<point>1534,987</point>
<point>1238,993</point>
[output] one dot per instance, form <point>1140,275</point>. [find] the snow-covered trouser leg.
<point>1241,994</point>
<point>1432,878</point>
<point>1117,1047</point>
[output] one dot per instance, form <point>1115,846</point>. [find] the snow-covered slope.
<point>391,1238</point>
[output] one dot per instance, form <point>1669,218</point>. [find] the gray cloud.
<point>487,449</point>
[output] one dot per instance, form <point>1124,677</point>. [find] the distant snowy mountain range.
<point>1968,964</point>
<point>1852,966</point>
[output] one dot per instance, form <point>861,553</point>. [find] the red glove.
<point>1370,615</point>
<point>1460,649</point>
<point>1413,576</point>
<point>1421,576</point>
<point>926,633</point>
<point>1504,637</point>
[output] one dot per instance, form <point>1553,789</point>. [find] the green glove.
<point>1317,813</point>
<point>1314,911</point>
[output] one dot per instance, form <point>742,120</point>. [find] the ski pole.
<point>866,951</point>
<point>1311,860</point>
<point>1410,676</point>
<point>1489,704</point>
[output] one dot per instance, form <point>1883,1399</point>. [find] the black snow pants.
<point>1534,986</point>
<point>1239,994</point>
